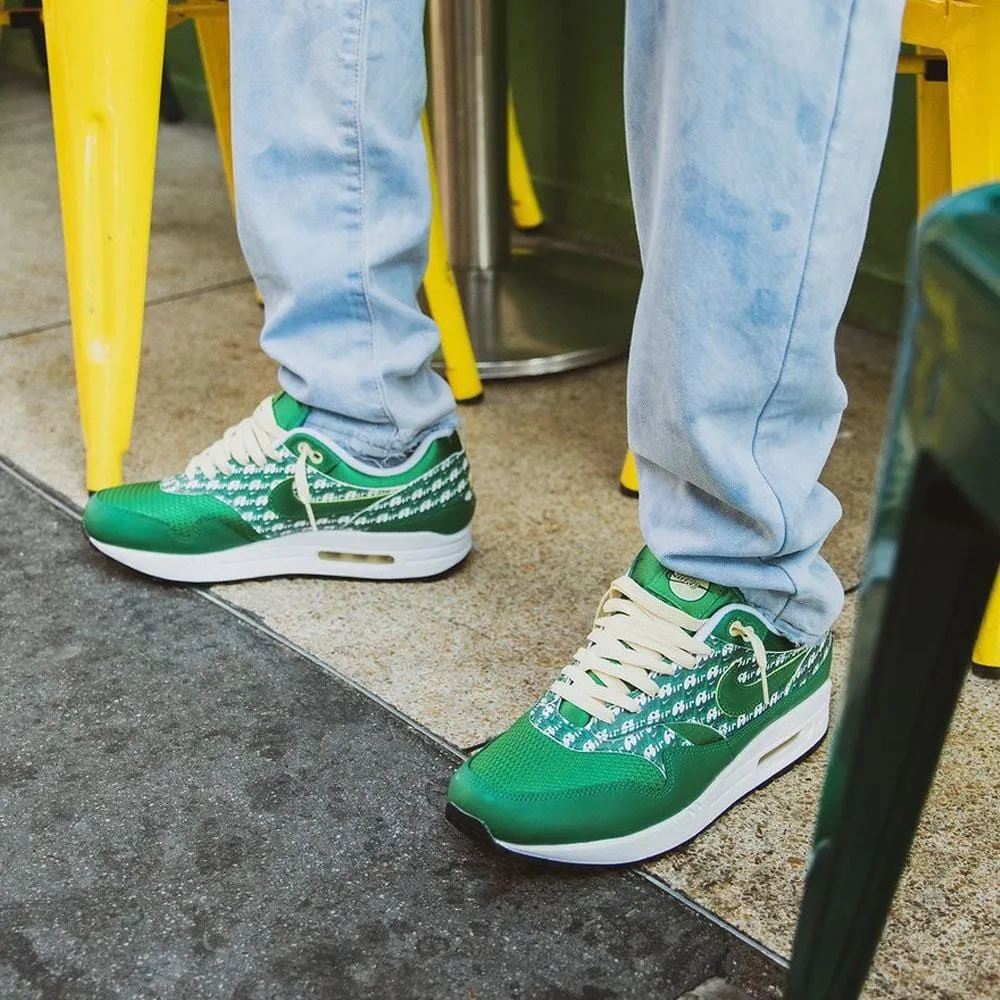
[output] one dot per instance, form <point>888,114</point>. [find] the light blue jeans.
<point>755,130</point>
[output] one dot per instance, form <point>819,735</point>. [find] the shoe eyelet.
<point>311,454</point>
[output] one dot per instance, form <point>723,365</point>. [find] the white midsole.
<point>367,555</point>
<point>782,743</point>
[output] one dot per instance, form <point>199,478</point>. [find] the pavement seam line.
<point>713,918</point>
<point>219,286</point>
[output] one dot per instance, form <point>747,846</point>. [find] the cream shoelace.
<point>759,654</point>
<point>635,636</point>
<point>255,441</point>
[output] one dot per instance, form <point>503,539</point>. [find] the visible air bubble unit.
<point>356,557</point>
<point>777,750</point>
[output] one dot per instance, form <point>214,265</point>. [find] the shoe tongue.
<point>288,413</point>
<point>697,598</point>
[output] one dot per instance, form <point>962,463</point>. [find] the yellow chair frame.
<point>960,116</point>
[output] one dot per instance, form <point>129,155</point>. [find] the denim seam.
<point>366,292</point>
<point>798,298</point>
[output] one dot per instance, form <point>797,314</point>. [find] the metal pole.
<point>469,108</point>
<point>546,308</point>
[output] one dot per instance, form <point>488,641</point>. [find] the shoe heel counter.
<point>453,516</point>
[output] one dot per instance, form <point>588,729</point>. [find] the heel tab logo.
<point>686,588</point>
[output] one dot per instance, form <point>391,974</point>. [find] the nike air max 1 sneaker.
<point>273,497</point>
<point>682,701</point>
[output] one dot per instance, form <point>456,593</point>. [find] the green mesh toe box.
<point>528,789</point>
<point>143,516</point>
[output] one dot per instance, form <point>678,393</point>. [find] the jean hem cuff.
<point>377,447</point>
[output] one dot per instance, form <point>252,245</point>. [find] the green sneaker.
<point>273,497</point>
<point>682,702</point>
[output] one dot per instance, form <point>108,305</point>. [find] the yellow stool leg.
<point>974,113</point>
<point>445,303</point>
<point>933,161</point>
<point>629,478</point>
<point>986,655</point>
<point>974,95</point>
<point>524,207</point>
<point>105,65</point>
<point>213,41</point>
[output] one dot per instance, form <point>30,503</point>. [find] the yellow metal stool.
<point>958,92</point>
<point>958,143</point>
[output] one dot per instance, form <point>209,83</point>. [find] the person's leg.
<point>333,205</point>
<point>755,133</point>
<point>355,470</point>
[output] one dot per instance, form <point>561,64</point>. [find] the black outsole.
<point>478,831</point>
<point>468,825</point>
